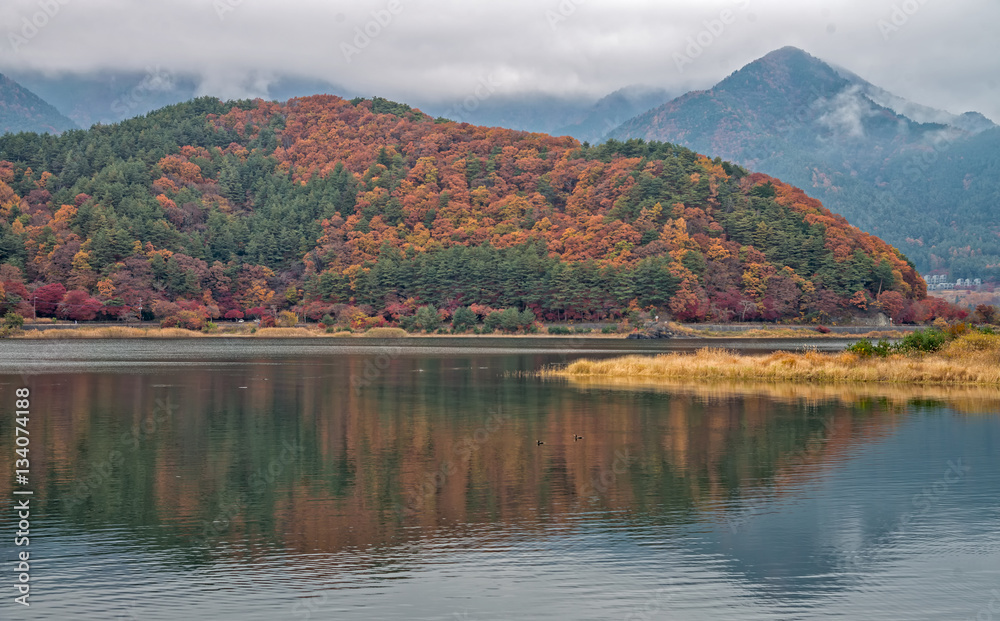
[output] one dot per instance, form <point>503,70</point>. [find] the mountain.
<point>23,111</point>
<point>112,96</point>
<point>928,185</point>
<point>371,209</point>
<point>614,109</point>
<point>578,116</point>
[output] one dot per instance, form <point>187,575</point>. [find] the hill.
<point>927,184</point>
<point>371,208</point>
<point>23,111</point>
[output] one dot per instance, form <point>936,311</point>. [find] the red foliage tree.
<point>47,298</point>
<point>77,305</point>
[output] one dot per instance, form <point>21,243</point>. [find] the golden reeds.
<point>284,333</point>
<point>111,332</point>
<point>969,360</point>
<point>385,333</point>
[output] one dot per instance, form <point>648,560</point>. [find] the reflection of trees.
<point>365,453</point>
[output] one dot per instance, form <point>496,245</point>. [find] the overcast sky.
<point>942,53</point>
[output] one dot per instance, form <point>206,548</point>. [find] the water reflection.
<point>284,481</point>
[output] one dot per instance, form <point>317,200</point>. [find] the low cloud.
<point>944,55</point>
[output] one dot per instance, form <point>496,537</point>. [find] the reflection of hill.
<point>365,477</point>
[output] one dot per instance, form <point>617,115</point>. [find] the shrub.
<point>558,330</point>
<point>956,330</point>
<point>287,319</point>
<point>609,330</point>
<point>427,319</point>
<point>923,341</point>
<point>463,319</point>
<point>267,321</point>
<point>582,330</point>
<point>866,349</point>
<point>327,320</point>
<point>986,313</point>
<point>510,320</point>
<point>823,330</point>
<point>210,327</point>
<point>190,320</point>
<point>492,322</point>
<point>168,322</point>
<point>12,320</point>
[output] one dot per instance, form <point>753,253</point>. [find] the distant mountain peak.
<point>788,68</point>
<point>23,111</point>
<point>859,147</point>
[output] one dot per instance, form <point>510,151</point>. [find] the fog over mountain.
<point>928,184</point>
<point>437,51</point>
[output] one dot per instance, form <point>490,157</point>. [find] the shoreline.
<point>63,331</point>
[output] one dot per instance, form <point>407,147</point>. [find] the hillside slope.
<point>372,204</point>
<point>23,111</point>
<point>929,188</point>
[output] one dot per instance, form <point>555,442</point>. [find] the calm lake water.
<point>216,479</point>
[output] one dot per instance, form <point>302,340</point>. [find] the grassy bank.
<point>971,359</point>
<point>962,398</point>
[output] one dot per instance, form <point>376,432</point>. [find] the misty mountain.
<point>583,118</point>
<point>613,110</point>
<point>110,97</point>
<point>23,111</point>
<point>929,184</point>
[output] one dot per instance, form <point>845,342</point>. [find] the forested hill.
<point>928,187</point>
<point>211,207</point>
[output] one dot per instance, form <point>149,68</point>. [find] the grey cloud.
<point>939,53</point>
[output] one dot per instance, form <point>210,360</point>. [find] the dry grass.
<point>385,333</point>
<point>677,328</point>
<point>963,398</point>
<point>283,333</point>
<point>114,332</point>
<point>970,360</point>
<point>340,335</point>
<point>799,333</point>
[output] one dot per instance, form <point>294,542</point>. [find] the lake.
<point>327,479</point>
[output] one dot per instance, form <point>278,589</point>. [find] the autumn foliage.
<point>370,210</point>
